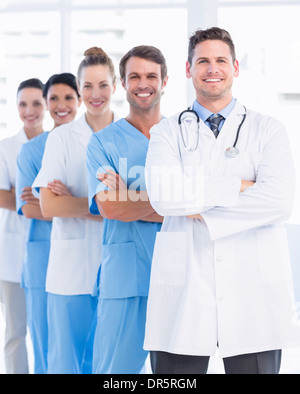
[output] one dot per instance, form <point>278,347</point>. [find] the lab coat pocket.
<point>169,259</point>
<point>118,278</point>
<point>273,254</point>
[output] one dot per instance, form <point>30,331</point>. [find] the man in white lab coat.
<point>220,273</point>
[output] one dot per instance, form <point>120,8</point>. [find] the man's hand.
<point>112,180</point>
<point>198,217</point>
<point>245,185</point>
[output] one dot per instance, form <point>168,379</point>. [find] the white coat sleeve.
<point>5,182</point>
<point>270,200</point>
<point>175,189</point>
<point>53,164</point>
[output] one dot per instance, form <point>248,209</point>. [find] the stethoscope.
<point>231,152</point>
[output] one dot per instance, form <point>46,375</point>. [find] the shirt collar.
<point>22,136</point>
<point>205,113</point>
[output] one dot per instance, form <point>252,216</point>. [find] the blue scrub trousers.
<point>72,323</point>
<point>36,306</point>
<point>119,338</point>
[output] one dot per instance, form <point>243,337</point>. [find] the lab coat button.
<point>219,259</point>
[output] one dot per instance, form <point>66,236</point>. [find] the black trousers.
<point>254,363</point>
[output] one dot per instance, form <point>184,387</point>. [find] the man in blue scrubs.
<point>116,160</point>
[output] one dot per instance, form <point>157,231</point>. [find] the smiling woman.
<point>97,84</point>
<point>62,98</point>
<point>31,106</point>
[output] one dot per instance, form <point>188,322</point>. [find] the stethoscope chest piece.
<point>232,152</point>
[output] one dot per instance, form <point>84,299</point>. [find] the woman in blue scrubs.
<point>63,101</point>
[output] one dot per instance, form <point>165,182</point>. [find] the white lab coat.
<point>225,280</point>
<point>13,228</point>
<point>75,253</point>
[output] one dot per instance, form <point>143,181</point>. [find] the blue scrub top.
<point>127,248</point>
<point>29,163</point>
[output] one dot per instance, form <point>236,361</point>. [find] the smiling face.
<point>31,107</point>
<point>96,88</point>
<point>62,103</point>
<point>213,71</point>
<point>143,83</point>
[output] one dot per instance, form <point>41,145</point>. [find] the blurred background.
<point>41,37</point>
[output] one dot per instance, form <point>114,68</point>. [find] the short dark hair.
<point>31,83</point>
<point>214,33</point>
<point>144,52</point>
<point>65,79</point>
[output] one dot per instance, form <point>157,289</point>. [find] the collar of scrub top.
<point>205,113</point>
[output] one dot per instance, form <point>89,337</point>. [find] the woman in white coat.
<point>13,228</point>
<point>75,252</point>
<point>221,274</point>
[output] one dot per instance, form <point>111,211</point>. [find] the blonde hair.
<point>94,57</point>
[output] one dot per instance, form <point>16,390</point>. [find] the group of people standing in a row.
<point>78,231</point>
<point>52,245</point>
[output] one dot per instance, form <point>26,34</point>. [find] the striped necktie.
<point>214,122</point>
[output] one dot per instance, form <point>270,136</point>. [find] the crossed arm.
<point>118,203</point>
<point>56,200</point>
<point>32,208</point>
<point>244,186</point>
